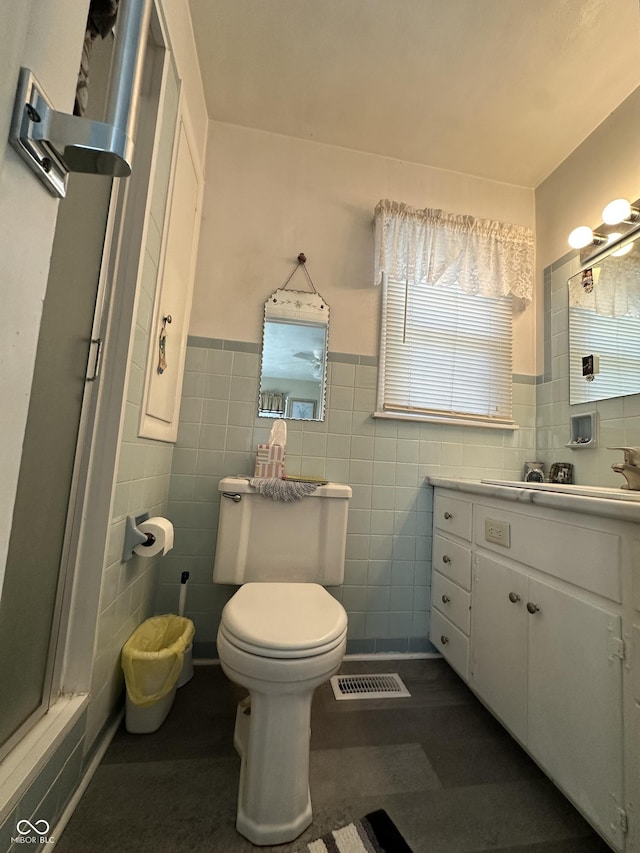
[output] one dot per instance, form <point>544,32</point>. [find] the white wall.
<point>605,166</point>
<point>269,197</point>
<point>178,18</point>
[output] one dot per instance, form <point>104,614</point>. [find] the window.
<point>446,330</point>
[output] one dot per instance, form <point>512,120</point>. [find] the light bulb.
<point>623,251</point>
<point>580,237</point>
<point>618,210</point>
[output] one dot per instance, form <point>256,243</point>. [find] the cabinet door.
<point>575,701</point>
<point>168,346</point>
<point>499,642</point>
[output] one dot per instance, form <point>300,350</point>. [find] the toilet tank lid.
<point>242,486</point>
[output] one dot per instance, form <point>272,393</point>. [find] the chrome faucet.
<point>630,468</point>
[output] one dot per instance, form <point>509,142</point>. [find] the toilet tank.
<point>260,539</point>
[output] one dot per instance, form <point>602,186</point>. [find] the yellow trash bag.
<point>152,657</point>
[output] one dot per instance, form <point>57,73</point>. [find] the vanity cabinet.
<point>544,661</point>
<point>544,639</point>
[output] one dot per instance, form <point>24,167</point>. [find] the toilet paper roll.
<point>162,531</point>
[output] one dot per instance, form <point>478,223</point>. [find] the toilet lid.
<point>284,619</point>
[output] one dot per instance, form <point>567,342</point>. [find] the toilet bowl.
<point>280,641</point>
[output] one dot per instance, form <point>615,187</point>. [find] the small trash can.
<point>152,661</point>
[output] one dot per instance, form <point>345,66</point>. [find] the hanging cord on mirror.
<point>302,260</point>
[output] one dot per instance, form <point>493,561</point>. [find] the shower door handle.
<point>97,361</point>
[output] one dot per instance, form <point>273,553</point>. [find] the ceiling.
<point>501,89</point>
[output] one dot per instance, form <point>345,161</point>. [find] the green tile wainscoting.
<point>387,586</point>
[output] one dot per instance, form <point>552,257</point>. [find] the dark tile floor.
<point>447,773</point>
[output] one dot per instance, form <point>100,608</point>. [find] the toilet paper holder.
<point>134,537</point>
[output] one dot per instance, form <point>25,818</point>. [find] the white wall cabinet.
<point>546,638</point>
<point>173,290</point>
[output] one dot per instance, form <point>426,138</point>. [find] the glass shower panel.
<point>28,626</point>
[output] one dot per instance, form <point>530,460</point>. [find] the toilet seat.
<point>284,620</point>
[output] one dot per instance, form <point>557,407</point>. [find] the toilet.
<point>281,635</point>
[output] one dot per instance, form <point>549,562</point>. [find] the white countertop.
<point>620,504</point>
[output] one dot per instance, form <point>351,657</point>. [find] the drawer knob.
<point>514,597</point>
<point>445,599</point>
<point>444,639</point>
<point>446,559</point>
<point>531,607</point>
<point>448,515</point>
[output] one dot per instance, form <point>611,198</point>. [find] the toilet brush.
<point>184,577</point>
<point>187,666</point>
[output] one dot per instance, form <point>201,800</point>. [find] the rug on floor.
<point>375,833</point>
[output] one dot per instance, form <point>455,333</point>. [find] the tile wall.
<point>143,472</point>
<point>388,568</point>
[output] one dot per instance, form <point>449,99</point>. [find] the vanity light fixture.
<point>583,236</point>
<point>620,210</point>
<point>613,238</point>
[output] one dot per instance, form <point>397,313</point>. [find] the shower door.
<point>65,357</point>
<point>95,259</point>
<point>27,608</point>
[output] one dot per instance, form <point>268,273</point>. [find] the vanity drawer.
<point>451,642</point>
<point>452,560</point>
<point>452,515</point>
<point>452,601</point>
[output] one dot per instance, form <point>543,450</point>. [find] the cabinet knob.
<point>445,599</point>
<point>514,597</point>
<point>444,639</point>
<point>446,559</point>
<point>448,515</point>
<point>531,607</point>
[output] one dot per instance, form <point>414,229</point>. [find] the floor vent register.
<point>386,685</point>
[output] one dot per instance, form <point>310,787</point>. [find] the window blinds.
<point>446,353</point>
<point>616,344</point>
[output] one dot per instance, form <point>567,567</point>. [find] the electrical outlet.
<point>497,531</point>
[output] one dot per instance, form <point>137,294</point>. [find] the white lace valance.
<point>611,290</point>
<point>442,249</point>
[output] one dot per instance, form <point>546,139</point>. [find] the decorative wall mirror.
<point>295,339</point>
<point>604,325</point>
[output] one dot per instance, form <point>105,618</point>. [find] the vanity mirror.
<point>604,325</point>
<point>294,356</point>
